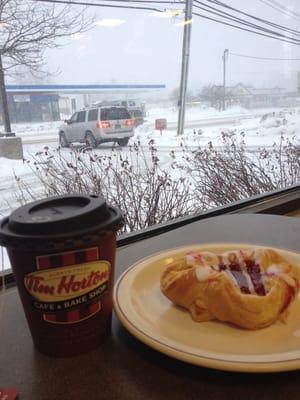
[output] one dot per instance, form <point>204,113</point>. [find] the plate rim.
<point>183,355</point>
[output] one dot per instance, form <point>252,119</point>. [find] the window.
<point>137,113</point>
<point>114,113</point>
<point>242,96</point>
<point>93,115</point>
<point>74,118</point>
<point>81,116</point>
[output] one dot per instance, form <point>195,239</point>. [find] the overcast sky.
<point>147,49</point>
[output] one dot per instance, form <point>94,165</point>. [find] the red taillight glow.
<point>103,124</point>
<point>129,122</point>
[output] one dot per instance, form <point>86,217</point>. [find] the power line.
<point>282,10</point>
<point>264,58</point>
<point>275,25</point>
<point>277,36</point>
<point>115,1</point>
<point>244,29</point>
<point>84,3</point>
<point>241,20</point>
<point>147,2</point>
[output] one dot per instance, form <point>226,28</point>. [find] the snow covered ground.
<point>261,128</point>
<point>258,132</point>
<point>204,112</point>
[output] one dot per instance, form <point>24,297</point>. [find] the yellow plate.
<point>151,318</point>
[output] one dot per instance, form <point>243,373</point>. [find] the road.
<point>52,137</point>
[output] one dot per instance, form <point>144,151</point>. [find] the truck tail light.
<point>103,124</point>
<point>129,122</point>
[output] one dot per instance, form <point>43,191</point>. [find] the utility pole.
<point>184,64</point>
<point>3,99</point>
<point>225,54</point>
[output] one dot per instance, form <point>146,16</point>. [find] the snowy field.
<point>261,129</point>
<point>258,132</point>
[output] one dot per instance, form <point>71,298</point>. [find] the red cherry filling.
<point>254,273</point>
<point>253,270</point>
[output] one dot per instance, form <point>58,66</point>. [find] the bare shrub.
<point>135,182</point>
<point>149,194</point>
<point>282,162</point>
<point>232,172</point>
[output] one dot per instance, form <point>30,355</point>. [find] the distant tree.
<point>174,96</point>
<point>213,94</point>
<point>23,76</point>
<point>27,29</point>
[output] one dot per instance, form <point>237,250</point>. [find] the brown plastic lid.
<point>59,221</point>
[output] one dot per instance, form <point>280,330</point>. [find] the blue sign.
<point>43,98</point>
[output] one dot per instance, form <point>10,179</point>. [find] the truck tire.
<point>90,139</point>
<point>63,140</point>
<point>123,142</point>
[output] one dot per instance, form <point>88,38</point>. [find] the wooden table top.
<point>123,368</point>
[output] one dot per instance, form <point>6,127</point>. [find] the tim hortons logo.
<point>67,282</point>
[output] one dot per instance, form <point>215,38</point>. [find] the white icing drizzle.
<point>250,283</point>
<point>231,276</point>
<point>202,259</point>
<point>191,259</point>
<point>242,263</point>
<point>276,270</point>
<point>225,259</point>
<point>204,273</point>
<point>206,264</point>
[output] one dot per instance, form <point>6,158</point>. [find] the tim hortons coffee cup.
<point>62,251</point>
